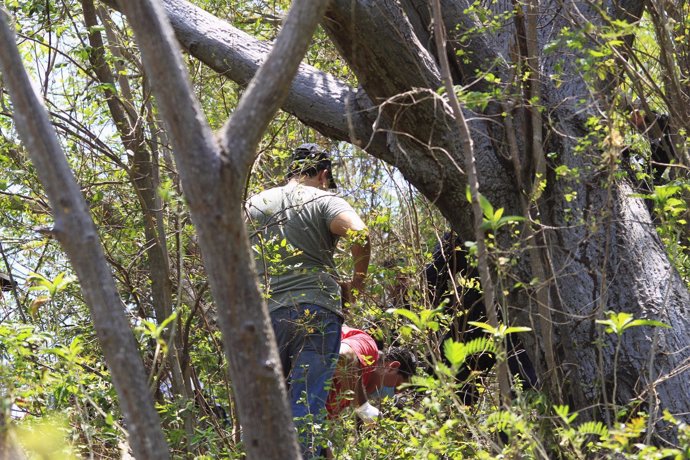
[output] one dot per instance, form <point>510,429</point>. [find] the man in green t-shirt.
<point>296,228</point>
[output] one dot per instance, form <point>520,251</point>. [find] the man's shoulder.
<point>268,192</point>
<point>360,341</point>
<point>323,200</point>
<point>315,192</point>
<point>265,196</point>
<point>347,331</point>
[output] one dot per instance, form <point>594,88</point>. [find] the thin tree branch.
<point>214,196</point>
<point>471,170</point>
<point>197,152</point>
<point>13,285</point>
<point>77,233</point>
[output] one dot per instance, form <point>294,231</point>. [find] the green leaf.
<point>508,219</point>
<point>621,321</point>
<point>480,345</point>
<point>564,413</point>
<point>595,428</point>
<point>454,352</point>
<point>166,321</point>
<point>410,315</point>
<point>648,322</point>
<point>487,327</point>
<point>486,206</point>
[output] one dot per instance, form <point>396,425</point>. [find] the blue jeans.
<point>308,339</point>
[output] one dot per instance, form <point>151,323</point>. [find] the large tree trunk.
<point>213,172</point>
<point>601,248</point>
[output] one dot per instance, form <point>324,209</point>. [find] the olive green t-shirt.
<point>293,245</point>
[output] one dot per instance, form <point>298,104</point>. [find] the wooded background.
<point>550,136</point>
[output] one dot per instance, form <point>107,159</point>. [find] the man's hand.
<point>346,296</point>
<point>348,224</point>
<point>367,413</point>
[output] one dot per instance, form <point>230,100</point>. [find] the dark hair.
<point>309,160</point>
<point>407,360</point>
<point>394,263</point>
<point>6,282</point>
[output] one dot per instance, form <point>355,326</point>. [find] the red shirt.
<point>367,353</point>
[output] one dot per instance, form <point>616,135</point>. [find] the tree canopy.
<point>551,137</point>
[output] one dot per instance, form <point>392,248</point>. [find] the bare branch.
<point>471,169</point>
<point>77,233</point>
<point>189,132</point>
<point>320,100</point>
<point>214,195</point>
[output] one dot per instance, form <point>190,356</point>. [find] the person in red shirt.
<point>363,369</point>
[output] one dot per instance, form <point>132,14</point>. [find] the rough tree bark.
<point>595,254</point>
<point>141,174</point>
<point>603,252</point>
<point>213,173</point>
<point>77,234</point>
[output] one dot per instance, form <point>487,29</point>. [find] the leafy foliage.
<point>54,385</point>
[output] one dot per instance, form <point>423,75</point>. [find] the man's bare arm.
<point>349,224</point>
<point>349,373</point>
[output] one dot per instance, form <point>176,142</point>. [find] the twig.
<point>471,170</point>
